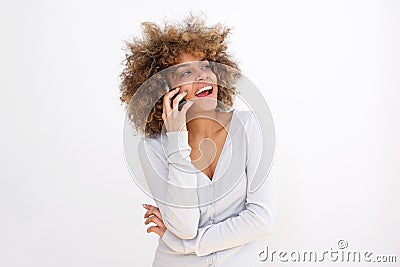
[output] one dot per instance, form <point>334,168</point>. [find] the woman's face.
<point>194,75</point>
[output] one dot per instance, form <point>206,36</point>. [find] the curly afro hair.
<point>159,49</point>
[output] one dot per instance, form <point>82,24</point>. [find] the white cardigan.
<point>218,222</point>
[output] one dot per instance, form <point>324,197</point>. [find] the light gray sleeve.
<point>172,181</point>
<point>253,222</point>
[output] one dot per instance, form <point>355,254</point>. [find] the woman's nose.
<point>202,75</point>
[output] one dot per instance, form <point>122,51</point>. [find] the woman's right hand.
<point>175,120</point>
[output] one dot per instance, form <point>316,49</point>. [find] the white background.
<point>328,69</point>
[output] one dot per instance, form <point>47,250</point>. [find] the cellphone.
<point>181,103</point>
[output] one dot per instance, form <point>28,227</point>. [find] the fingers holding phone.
<point>175,118</point>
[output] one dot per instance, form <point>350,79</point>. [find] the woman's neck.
<point>204,124</point>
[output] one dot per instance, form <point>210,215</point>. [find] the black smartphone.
<point>181,103</point>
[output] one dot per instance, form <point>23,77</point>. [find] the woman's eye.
<point>185,73</point>
<point>206,66</point>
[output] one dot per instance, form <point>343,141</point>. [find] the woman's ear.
<point>167,78</point>
<point>165,82</point>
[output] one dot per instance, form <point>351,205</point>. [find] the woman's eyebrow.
<point>182,66</point>
<point>187,64</point>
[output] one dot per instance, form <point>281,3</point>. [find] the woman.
<point>199,155</point>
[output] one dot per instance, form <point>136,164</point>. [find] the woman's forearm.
<point>250,224</point>
<point>173,186</point>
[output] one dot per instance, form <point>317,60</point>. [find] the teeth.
<point>208,87</point>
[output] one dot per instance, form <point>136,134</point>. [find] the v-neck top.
<point>221,221</point>
<point>226,143</point>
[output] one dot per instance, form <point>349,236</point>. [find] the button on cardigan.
<point>218,222</point>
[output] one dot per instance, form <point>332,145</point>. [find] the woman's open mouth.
<point>204,91</point>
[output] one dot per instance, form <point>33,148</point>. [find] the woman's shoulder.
<point>245,116</point>
<point>243,113</point>
<point>153,142</point>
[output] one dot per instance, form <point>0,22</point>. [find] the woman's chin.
<point>203,105</point>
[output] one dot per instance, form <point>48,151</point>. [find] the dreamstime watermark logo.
<point>339,254</point>
<point>146,156</point>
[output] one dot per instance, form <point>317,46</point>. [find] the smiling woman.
<point>198,154</point>
<point>162,49</point>
<point>194,77</point>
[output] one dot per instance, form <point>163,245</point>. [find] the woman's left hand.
<point>153,215</point>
